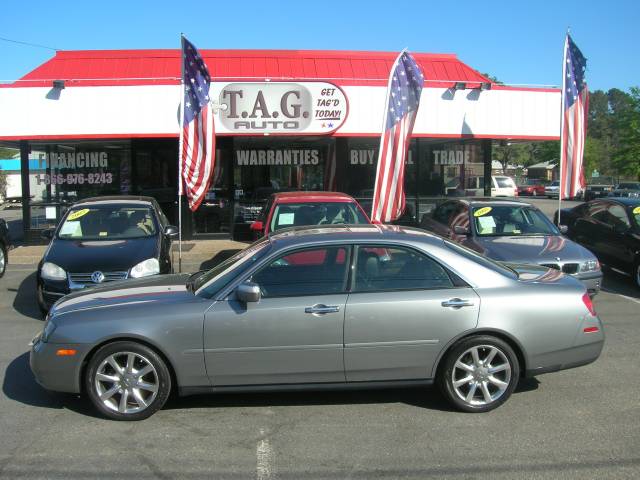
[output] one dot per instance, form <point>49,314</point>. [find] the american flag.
<point>197,136</point>
<point>405,87</point>
<point>575,106</point>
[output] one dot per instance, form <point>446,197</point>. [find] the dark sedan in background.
<point>5,242</point>
<point>513,231</point>
<point>104,239</point>
<point>610,228</point>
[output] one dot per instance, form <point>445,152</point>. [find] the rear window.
<point>481,259</point>
<point>504,182</point>
<point>319,213</point>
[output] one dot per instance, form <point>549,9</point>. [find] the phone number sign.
<point>75,179</point>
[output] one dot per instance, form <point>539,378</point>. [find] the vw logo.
<point>97,277</point>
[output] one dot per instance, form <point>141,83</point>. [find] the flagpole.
<point>562,102</point>
<point>384,124</point>
<point>180,153</point>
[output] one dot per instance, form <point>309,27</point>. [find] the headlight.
<point>49,328</point>
<point>147,267</point>
<point>51,271</point>
<point>590,266</point>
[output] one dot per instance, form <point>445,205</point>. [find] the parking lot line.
<point>264,457</point>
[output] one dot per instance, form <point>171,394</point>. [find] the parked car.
<point>326,307</point>
<point>104,239</point>
<point>610,228</point>
<point>513,231</point>
<point>473,186</point>
<point>532,187</point>
<point>599,187</point>
<point>5,243</point>
<point>289,209</point>
<point>626,189</point>
<point>552,190</point>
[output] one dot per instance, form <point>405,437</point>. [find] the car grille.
<point>570,268</point>
<point>80,280</point>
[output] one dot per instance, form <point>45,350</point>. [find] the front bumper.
<point>54,372</point>
<point>591,280</point>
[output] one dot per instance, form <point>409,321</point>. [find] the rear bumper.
<point>585,350</point>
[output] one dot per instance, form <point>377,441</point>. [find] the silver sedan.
<point>335,307</point>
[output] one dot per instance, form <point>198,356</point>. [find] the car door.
<point>294,334</point>
<point>615,241</point>
<point>403,308</point>
<point>588,228</point>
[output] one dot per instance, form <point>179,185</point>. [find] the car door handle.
<point>320,309</point>
<point>457,303</point>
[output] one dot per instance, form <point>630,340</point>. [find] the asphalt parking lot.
<point>581,423</point>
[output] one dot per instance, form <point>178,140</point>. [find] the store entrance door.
<point>214,216</point>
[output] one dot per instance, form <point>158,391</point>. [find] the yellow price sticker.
<point>78,214</point>
<point>482,211</point>
<point>636,211</point>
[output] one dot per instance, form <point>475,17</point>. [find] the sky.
<point>519,42</point>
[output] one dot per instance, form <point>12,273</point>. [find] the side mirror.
<point>248,292</point>
<point>563,229</point>
<point>460,230</point>
<point>171,231</point>
<point>47,234</point>
<point>257,226</point>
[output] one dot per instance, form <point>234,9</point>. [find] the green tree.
<point>627,125</point>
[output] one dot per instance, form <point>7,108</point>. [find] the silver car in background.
<point>360,306</point>
<point>513,231</point>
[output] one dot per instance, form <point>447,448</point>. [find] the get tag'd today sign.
<point>282,108</point>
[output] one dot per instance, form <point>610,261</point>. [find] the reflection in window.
<point>320,271</point>
<point>381,268</point>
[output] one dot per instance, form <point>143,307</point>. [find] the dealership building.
<point>91,123</point>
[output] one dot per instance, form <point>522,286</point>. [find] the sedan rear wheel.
<point>127,381</point>
<point>637,274</point>
<point>3,259</point>
<point>479,374</point>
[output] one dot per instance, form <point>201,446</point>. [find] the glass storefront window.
<point>63,173</point>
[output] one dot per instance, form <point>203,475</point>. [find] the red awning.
<point>162,67</point>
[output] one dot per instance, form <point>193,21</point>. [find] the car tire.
<point>3,259</point>
<point>486,385</point>
<point>636,273</point>
<point>127,381</point>
<point>44,309</point>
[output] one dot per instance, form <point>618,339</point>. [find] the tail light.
<point>586,299</point>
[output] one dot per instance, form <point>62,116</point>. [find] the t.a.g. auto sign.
<point>282,108</point>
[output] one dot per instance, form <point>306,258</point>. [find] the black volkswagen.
<point>104,239</point>
<point>610,228</point>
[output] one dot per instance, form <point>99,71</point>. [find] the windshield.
<point>213,280</point>
<point>108,222</point>
<point>318,213</point>
<point>511,220</point>
<point>629,186</point>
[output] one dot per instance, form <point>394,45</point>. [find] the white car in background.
<point>553,189</point>
<point>503,187</point>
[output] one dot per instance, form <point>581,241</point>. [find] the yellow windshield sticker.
<point>102,234</point>
<point>482,211</point>
<point>78,214</point>
<point>636,211</point>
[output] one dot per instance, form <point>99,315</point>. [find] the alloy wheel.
<point>126,382</point>
<point>3,260</point>
<point>481,375</point>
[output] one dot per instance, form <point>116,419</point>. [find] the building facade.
<point>106,122</point>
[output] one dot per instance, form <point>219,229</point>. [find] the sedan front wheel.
<point>127,381</point>
<point>479,374</point>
